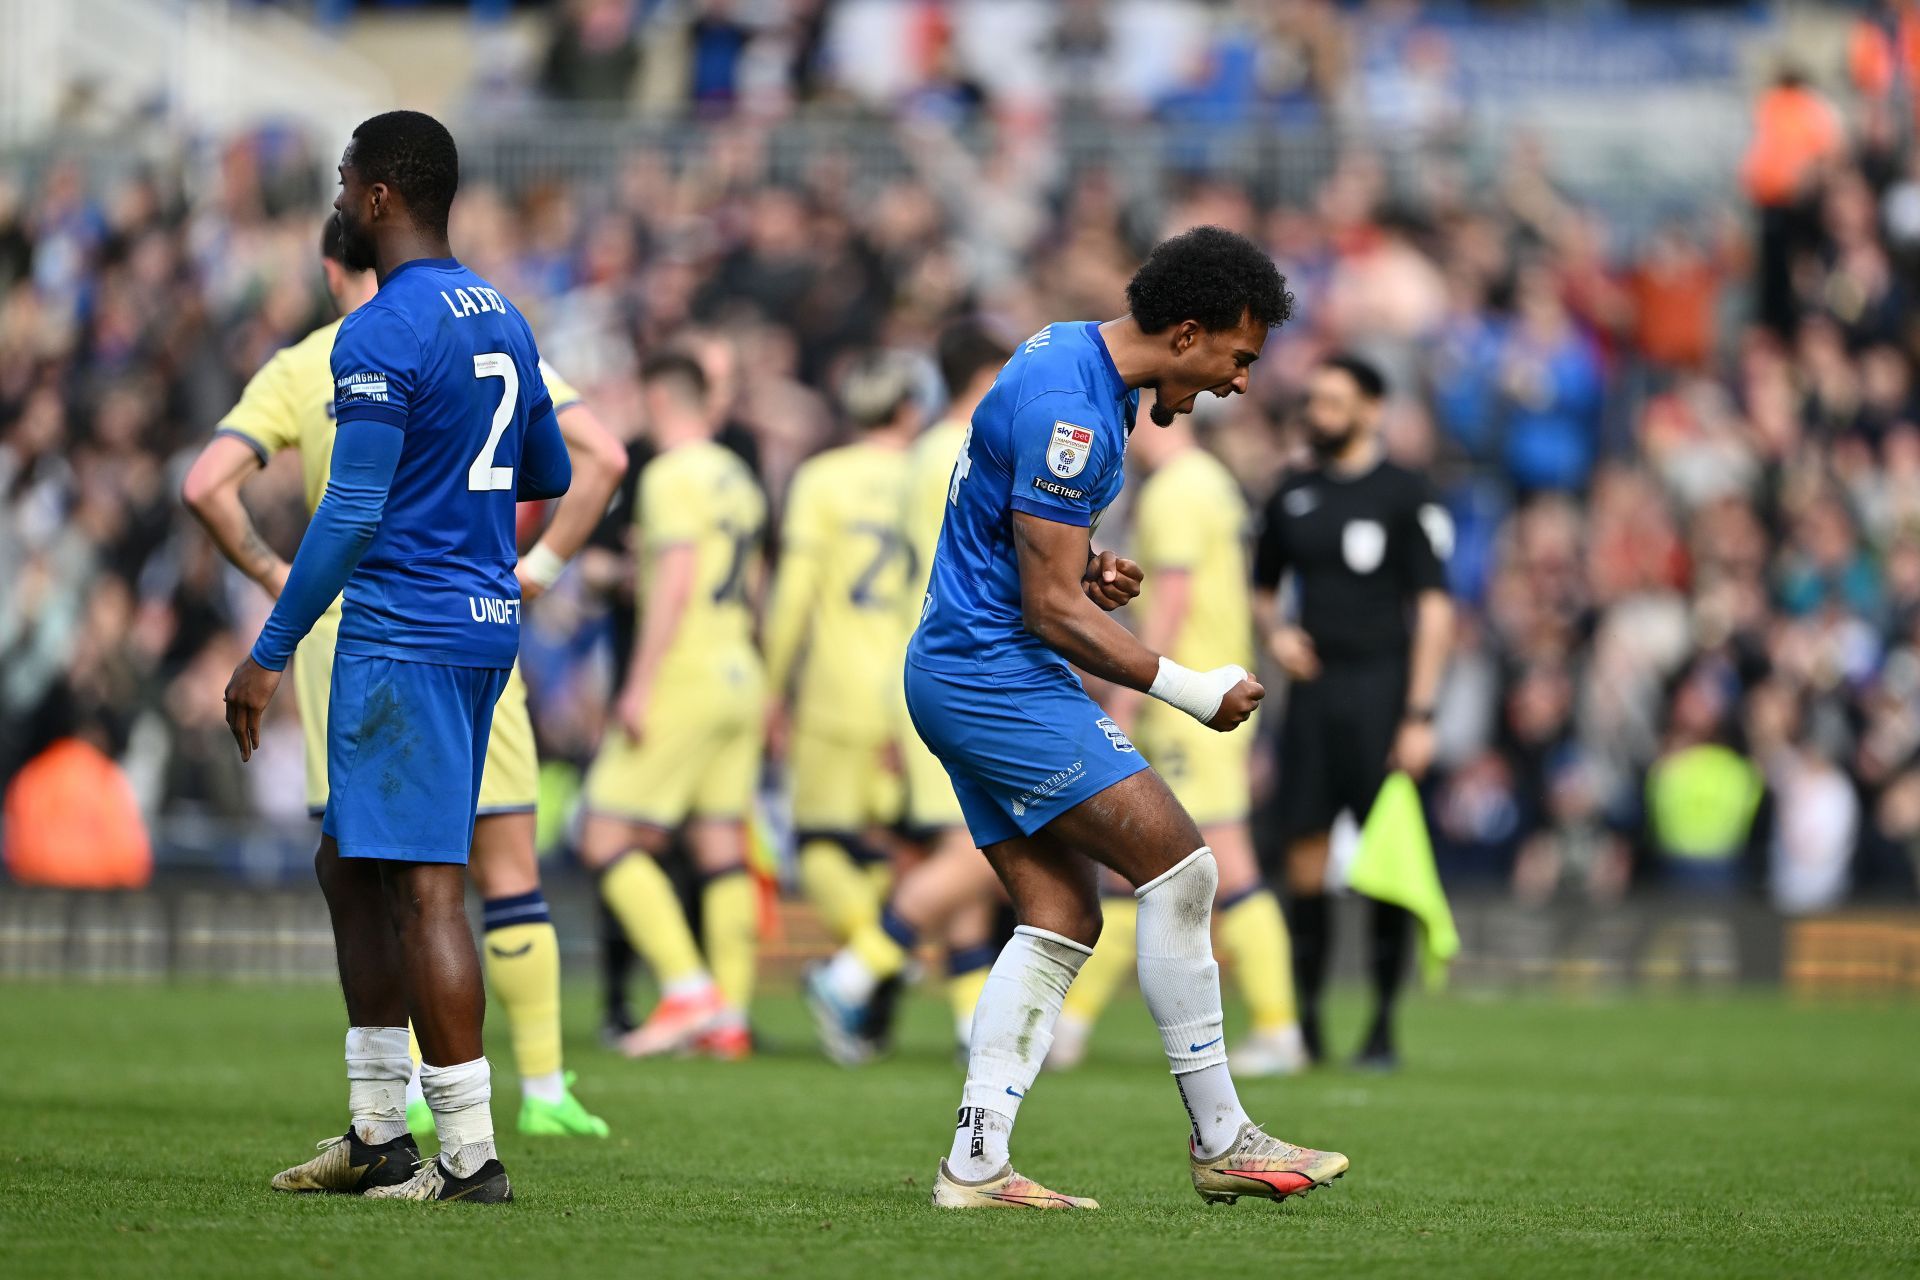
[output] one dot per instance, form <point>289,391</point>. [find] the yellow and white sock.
<point>730,911</point>
<point>837,886</point>
<point>874,954</point>
<point>1253,937</point>
<point>879,873</point>
<point>643,901</point>
<point>523,969</point>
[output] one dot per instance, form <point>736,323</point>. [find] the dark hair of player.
<point>333,240</point>
<point>413,154</point>
<point>677,369</point>
<point>1365,374</point>
<point>1209,275</point>
<point>965,348</point>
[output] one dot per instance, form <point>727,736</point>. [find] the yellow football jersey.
<point>288,404</point>
<point>845,573</point>
<point>702,495</point>
<point>929,477</point>
<point>1190,515</point>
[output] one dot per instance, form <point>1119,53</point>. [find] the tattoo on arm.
<point>259,556</point>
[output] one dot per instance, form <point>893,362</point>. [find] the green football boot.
<point>565,1118</point>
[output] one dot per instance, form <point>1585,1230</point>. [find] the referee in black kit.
<point>1366,542</point>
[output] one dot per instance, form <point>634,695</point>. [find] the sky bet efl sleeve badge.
<point>1067,454</point>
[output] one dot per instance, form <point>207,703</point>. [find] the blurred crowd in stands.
<point>1217,61</point>
<point>1684,465</point>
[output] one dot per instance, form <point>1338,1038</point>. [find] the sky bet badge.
<point>1067,455</point>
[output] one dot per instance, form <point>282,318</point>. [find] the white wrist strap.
<point>542,565</point>
<point>1198,693</point>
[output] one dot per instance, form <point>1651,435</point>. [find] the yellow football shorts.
<point>1207,771</point>
<point>841,785</point>
<point>510,782</point>
<point>931,804</point>
<point>698,753</point>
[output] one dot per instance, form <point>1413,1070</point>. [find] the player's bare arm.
<point>598,464</point>
<point>1290,647</point>
<point>669,589</point>
<point>1432,640</point>
<point>211,491</point>
<point>1057,609</point>
<point>790,611</point>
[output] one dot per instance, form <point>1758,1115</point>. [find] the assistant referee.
<point>1366,543</point>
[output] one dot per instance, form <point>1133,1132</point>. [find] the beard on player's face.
<point>1328,443</point>
<point>356,242</point>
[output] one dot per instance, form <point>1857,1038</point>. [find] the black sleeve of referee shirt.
<point>1270,555</point>
<point>1426,541</point>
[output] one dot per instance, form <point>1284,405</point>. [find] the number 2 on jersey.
<point>732,588</point>
<point>483,476</point>
<point>889,545</point>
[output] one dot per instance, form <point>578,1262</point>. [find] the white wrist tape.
<point>1198,693</point>
<point>542,565</point>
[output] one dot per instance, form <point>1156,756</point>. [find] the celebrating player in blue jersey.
<point>1050,786</point>
<point>444,424</point>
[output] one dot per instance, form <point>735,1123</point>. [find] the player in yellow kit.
<point>289,405</point>
<point>1189,538</point>
<point>953,886</point>
<point>834,646</point>
<point>683,745</point>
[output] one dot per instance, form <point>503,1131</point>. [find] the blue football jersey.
<point>442,356</point>
<point>1049,439</point>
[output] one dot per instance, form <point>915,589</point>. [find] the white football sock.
<point>848,977</point>
<point>980,1136</point>
<point>551,1087</point>
<point>461,1097</point>
<point>691,984</point>
<point>1181,985</point>
<point>414,1092</point>
<point>1012,1030</point>
<point>377,1069</point>
<point>1213,1106</point>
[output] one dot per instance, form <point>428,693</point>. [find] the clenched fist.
<point>1111,580</point>
<point>1237,705</point>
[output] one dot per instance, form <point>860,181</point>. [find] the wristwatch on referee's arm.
<point>1418,715</point>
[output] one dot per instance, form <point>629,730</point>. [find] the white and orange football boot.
<point>1260,1165</point>
<point>1004,1190</point>
<point>676,1024</point>
<point>728,1041</point>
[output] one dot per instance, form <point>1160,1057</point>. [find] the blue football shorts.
<point>1021,747</point>
<point>406,744</point>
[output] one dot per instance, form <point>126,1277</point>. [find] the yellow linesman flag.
<point>1395,864</point>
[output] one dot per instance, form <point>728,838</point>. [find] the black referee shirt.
<point>1361,548</point>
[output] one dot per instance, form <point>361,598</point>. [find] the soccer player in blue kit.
<point>444,424</point>
<point>1051,788</point>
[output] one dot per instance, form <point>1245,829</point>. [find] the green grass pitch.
<point>1720,1136</point>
